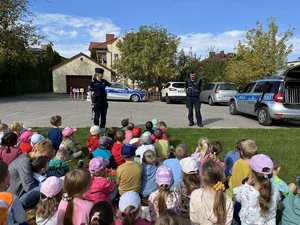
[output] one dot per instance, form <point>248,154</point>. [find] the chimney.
<point>222,54</point>
<point>109,37</point>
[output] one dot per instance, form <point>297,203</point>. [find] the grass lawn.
<point>281,144</point>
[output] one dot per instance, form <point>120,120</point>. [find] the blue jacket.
<point>55,136</point>
<point>148,179</point>
<point>291,212</point>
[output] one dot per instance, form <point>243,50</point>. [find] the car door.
<point>257,93</point>
<point>115,91</point>
<point>243,98</point>
<point>206,92</point>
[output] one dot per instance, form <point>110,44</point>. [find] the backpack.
<point>6,200</point>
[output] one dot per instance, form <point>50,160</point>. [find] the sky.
<point>201,24</point>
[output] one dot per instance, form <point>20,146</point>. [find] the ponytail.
<point>68,219</point>
<point>219,207</point>
<point>163,193</point>
<point>8,149</point>
<point>129,216</point>
<point>9,140</point>
<point>265,192</point>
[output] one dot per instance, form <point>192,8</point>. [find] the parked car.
<point>217,92</point>
<point>173,91</point>
<point>119,91</point>
<point>273,98</point>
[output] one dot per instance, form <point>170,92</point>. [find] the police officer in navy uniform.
<point>99,97</point>
<point>193,89</point>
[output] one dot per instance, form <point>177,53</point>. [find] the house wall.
<point>79,66</point>
<point>112,50</point>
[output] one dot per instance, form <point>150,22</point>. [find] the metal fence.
<point>152,96</point>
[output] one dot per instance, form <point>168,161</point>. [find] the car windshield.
<point>178,85</point>
<point>226,86</point>
<point>121,86</point>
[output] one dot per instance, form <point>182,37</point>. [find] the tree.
<point>262,53</point>
<point>16,30</point>
<point>213,70</point>
<point>148,56</point>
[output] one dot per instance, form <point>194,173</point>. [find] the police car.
<point>119,91</point>
<point>273,98</point>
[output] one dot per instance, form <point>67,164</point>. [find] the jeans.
<point>31,198</point>
<point>194,102</point>
<point>100,113</point>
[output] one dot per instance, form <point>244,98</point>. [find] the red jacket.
<point>92,143</point>
<point>116,152</point>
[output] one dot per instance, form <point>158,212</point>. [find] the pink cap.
<point>25,136</point>
<point>163,176</point>
<point>52,186</point>
<point>68,131</point>
<point>262,164</point>
<point>97,164</point>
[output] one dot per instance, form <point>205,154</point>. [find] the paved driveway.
<point>35,110</point>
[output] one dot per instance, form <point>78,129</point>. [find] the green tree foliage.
<point>213,70</point>
<point>262,53</point>
<point>148,56</point>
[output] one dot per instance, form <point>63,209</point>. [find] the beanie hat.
<point>262,164</point>
<point>52,186</point>
<point>130,198</point>
<point>36,138</point>
<point>128,150</point>
<point>97,164</point>
<point>163,176</point>
<point>95,130</point>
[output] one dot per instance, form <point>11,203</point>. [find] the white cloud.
<point>201,43</point>
<point>72,34</point>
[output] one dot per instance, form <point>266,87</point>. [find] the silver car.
<point>218,92</point>
<point>273,98</point>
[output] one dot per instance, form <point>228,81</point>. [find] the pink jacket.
<point>9,157</point>
<point>100,190</point>
<point>128,136</point>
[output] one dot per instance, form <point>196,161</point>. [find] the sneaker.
<point>191,124</point>
<point>200,125</point>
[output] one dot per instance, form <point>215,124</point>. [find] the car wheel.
<point>135,98</point>
<point>210,101</point>
<point>232,108</point>
<point>168,100</point>
<point>263,116</point>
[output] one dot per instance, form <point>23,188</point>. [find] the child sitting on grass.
<point>124,124</point>
<point>149,127</point>
<point>17,128</point>
<point>54,133</point>
<point>93,140</point>
<point>11,209</point>
<point>24,145</point>
<point>8,150</point>
<point>129,173</point>
<point>143,145</point>
<point>291,212</point>
<point>128,133</point>
<point>101,188</point>
<point>201,149</point>
<point>241,168</point>
<point>36,138</point>
<point>102,213</point>
<point>231,157</point>
<point>163,198</point>
<point>3,129</point>
<point>258,198</point>
<point>174,164</point>
<point>103,149</point>
<point>162,146</point>
<point>278,183</point>
<point>164,128</point>
<point>209,204</point>
<point>51,194</point>
<point>58,166</point>
<point>136,132</point>
<point>190,182</point>
<point>68,143</point>
<point>148,175</point>
<point>73,209</point>
<point>129,208</point>
<point>117,147</point>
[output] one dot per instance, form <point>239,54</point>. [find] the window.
<point>210,86</point>
<point>116,56</point>
<point>168,85</point>
<point>179,85</point>
<point>120,86</point>
<point>226,86</point>
<point>248,88</point>
<point>270,86</point>
<point>101,57</point>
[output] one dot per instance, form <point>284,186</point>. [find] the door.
<point>243,98</point>
<point>117,91</point>
<point>74,81</point>
<point>207,92</point>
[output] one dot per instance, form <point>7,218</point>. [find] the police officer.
<point>99,97</point>
<point>193,90</point>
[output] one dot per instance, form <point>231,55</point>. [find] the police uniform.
<point>193,90</point>
<point>100,99</point>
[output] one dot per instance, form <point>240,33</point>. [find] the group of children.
<point>133,176</point>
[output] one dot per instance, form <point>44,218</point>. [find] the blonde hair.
<point>47,207</point>
<point>43,148</point>
<point>164,192</point>
<point>16,127</point>
<point>3,127</point>
<point>203,144</point>
<point>248,148</point>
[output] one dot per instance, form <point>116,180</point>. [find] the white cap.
<point>130,198</point>
<point>134,141</point>
<point>189,165</point>
<point>95,130</point>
